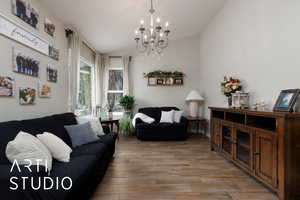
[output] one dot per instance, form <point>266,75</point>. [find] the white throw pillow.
<point>58,148</point>
<point>95,124</point>
<point>167,117</point>
<point>177,116</point>
<point>27,149</point>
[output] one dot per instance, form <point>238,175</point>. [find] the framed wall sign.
<point>16,32</point>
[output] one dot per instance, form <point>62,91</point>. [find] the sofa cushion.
<point>152,112</point>
<point>96,148</point>
<point>109,139</point>
<point>8,130</point>
<point>81,134</point>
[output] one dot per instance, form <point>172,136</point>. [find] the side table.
<point>201,124</point>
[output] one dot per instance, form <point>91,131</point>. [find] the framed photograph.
<point>52,74</point>
<point>286,100</point>
<point>169,81</point>
<point>7,86</point>
<point>27,96</point>
<point>178,81</point>
<point>25,11</point>
<point>152,81</point>
<point>49,27</point>
<point>54,53</point>
<point>159,81</point>
<point>44,90</point>
<point>25,63</point>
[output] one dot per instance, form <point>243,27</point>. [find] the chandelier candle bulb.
<point>158,20</point>
<point>142,22</point>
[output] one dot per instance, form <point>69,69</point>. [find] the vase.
<point>229,102</point>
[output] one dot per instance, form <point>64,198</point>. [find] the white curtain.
<point>105,67</point>
<point>126,63</point>
<point>73,70</point>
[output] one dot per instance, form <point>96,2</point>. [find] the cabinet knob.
<point>257,153</point>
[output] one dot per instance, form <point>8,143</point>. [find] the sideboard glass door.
<point>243,148</point>
<point>227,140</point>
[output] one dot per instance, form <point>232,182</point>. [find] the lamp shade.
<point>194,96</point>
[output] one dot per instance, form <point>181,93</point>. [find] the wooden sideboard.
<point>264,144</point>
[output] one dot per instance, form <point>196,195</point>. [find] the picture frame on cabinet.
<point>286,100</point>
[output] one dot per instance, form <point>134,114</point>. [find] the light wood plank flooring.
<point>175,170</point>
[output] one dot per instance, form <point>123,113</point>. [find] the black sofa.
<point>160,131</point>
<point>86,168</point>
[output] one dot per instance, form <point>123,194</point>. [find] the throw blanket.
<point>143,117</point>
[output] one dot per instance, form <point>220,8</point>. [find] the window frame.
<point>114,91</point>
<point>93,82</point>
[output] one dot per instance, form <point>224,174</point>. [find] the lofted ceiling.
<point>109,25</point>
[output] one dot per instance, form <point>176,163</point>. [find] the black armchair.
<point>160,131</point>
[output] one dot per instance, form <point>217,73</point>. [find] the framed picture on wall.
<point>7,86</point>
<point>52,74</point>
<point>159,81</point>
<point>27,96</point>
<point>26,12</point>
<point>25,63</point>
<point>49,27</point>
<point>54,53</point>
<point>286,100</point>
<point>152,81</point>
<point>44,90</point>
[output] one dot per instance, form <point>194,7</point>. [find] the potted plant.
<point>125,126</point>
<point>127,103</point>
<point>229,86</point>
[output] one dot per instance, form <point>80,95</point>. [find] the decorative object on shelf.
<point>125,126</point>
<point>25,11</point>
<point>52,74</point>
<point>24,63</point>
<point>7,86</point>
<point>44,90</point>
<point>262,106</point>
<point>49,27</point>
<point>53,53</point>
<point>27,96</point>
<point>153,39</point>
<point>127,103</point>
<point>229,86</point>
<point>164,78</point>
<point>194,98</point>
<point>12,30</point>
<point>286,100</point>
<point>240,100</point>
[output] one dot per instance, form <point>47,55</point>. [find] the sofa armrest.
<point>138,121</point>
<point>106,129</point>
<point>184,120</point>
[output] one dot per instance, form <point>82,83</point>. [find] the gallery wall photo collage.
<point>24,61</point>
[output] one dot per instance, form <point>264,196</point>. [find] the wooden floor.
<point>175,170</point>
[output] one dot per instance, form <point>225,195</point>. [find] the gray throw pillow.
<point>81,134</point>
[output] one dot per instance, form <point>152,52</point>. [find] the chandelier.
<point>153,39</point>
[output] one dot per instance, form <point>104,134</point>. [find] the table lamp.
<point>193,99</point>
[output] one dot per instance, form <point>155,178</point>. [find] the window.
<point>115,84</point>
<point>86,83</point>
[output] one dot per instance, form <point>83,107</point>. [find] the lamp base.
<point>194,109</point>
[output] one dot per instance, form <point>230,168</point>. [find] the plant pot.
<point>128,113</point>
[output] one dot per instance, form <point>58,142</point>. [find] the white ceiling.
<point>109,25</point>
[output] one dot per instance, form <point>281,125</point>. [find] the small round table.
<point>111,122</point>
<point>201,124</point>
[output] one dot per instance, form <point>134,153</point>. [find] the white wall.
<point>9,107</point>
<point>257,41</point>
<point>181,55</point>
